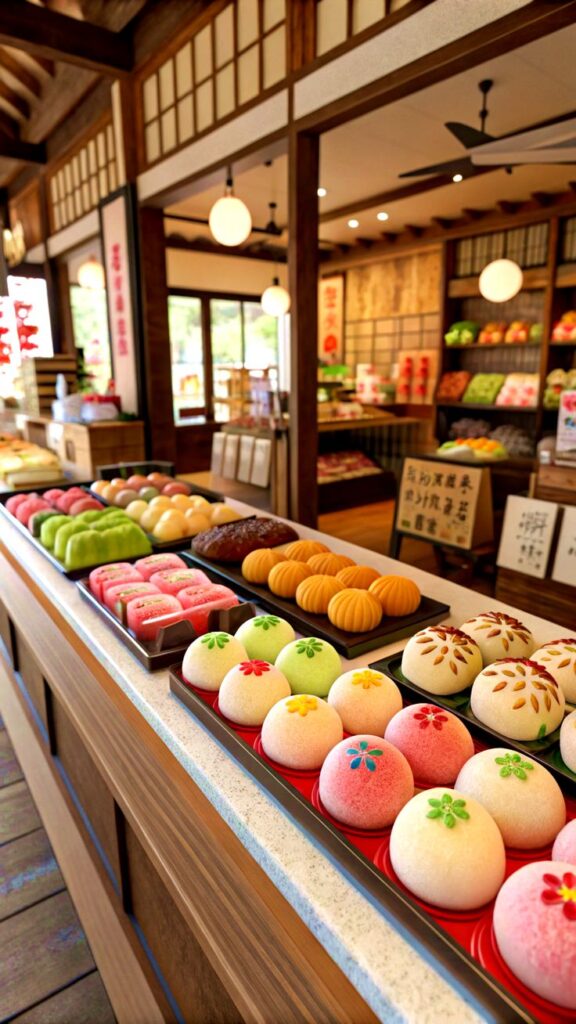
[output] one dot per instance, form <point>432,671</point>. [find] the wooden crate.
<point>39,381</point>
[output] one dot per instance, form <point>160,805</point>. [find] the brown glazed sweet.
<point>233,541</point>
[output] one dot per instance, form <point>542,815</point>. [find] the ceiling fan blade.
<point>461,165</point>
<point>466,135</point>
<point>556,155</point>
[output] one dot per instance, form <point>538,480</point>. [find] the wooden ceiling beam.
<point>389,236</point>
<point>543,198</point>
<point>18,103</point>
<point>443,222</point>
<point>507,206</point>
<point>19,72</point>
<point>414,230</point>
<point>58,37</point>
<point>366,243</point>
<point>17,149</point>
<point>472,214</point>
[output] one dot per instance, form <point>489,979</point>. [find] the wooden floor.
<point>47,973</point>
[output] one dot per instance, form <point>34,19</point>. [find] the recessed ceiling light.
<point>457,177</point>
<point>353,223</point>
<point>382,215</point>
<point>321,192</point>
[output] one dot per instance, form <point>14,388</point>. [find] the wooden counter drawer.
<point>32,677</point>
<point>7,635</point>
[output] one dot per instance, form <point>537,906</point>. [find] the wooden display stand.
<point>517,589</point>
<point>83,447</point>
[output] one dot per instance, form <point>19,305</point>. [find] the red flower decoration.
<point>254,667</point>
<point>561,890</point>
<point>431,716</point>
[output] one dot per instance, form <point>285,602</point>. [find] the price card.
<point>445,503</point>
<point>527,535</point>
<point>564,570</point>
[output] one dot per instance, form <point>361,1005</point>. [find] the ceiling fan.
<point>553,144</point>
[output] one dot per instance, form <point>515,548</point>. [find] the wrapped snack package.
<point>520,389</point>
<point>483,388</point>
<point>452,386</point>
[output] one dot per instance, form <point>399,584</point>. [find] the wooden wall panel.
<point>6,632</point>
<point>32,676</point>
<point>194,447</point>
<point>26,208</point>
<point>89,786</point>
<point>195,985</point>
<point>398,286</point>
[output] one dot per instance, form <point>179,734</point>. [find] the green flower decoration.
<point>266,622</point>
<point>309,647</point>
<point>218,640</point>
<point>512,764</point>
<point>448,810</point>
<point>361,755</point>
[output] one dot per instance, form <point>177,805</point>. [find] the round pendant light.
<point>275,300</point>
<point>500,280</point>
<point>230,221</point>
<point>91,274</point>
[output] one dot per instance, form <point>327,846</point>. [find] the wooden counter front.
<point>227,943</point>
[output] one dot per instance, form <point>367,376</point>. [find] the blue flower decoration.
<point>362,755</point>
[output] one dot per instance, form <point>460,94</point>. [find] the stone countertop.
<point>380,962</point>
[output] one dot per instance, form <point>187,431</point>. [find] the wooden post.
<point>156,337</point>
<point>303,277</point>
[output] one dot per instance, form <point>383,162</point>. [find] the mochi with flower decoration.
<point>299,731</point>
<point>210,657</point>
<point>441,659</point>
<point>264,636</point>
<point>534,925</point>
<point>250,689</point>
<point>365,699</point>
<point>435,743</point>
<point>310,665</point>
<point>364,782</point>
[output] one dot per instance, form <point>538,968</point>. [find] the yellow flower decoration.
<point>366,678</point>
<point>302,704</point>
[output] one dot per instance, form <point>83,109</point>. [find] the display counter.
<point>245,918</point>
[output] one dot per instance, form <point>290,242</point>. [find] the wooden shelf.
<point>535,279</point>
<point>327,426</point>
<point>563,344</point>
<point>512,346</point>
<point>566,276</point>
<point>487,408</point>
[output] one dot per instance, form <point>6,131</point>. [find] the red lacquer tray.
<point>461,944</point>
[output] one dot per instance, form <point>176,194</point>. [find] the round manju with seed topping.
<point>518,698</point>
<point>499,636</point>
<point>559,658</point>
<point>442,660</point>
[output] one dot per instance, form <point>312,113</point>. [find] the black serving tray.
<point>126,469</point>
<point>71,574</point>
<point>162,547</point>
<point>291,790</point>
<point>546,751</point>
<point>172,641</point>
<point>350,645</point>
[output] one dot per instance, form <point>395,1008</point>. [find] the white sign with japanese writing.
<point>119,295</point>
<point>330,318</point>
<point>527,535</point>
<point>564,570</point>
<point>440,502</point>
<point>566,430</point>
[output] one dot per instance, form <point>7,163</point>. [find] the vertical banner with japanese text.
<point>331,319</point>
<point>527,535</point>
<point>119,263</point>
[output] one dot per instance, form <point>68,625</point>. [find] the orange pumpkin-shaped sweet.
<point>397,594</point>
<point>257,565</point>
<point>355,610</point>
<point>328,564</point>
<point>359,576</point>
<point>284,578</point>
<point>302,550</point>
<point>314,594</point>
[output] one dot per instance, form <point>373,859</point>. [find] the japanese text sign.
<point>527,535</point>
<point>439,502</point>
<point>564,570</point>
<point>330,318</point>
<point>119,295</point>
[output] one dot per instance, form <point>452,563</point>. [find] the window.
<point>90,327</point>
<point>224,355</point>
<point>187,351</point>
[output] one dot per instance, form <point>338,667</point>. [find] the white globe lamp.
<point>275,300</point>
<point>91,275</point>
<point>500,280</point>
<point>229,220</point>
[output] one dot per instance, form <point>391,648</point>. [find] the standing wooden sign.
<point>527,535</point>
<point>445,503</point>
<point>564,570</point>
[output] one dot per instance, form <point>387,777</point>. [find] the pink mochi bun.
<point>117,572</point>
<point>122,593</point>
<point>364,782</point>
<point>535,928</point>
<point>435,743</point>
<point>565,843</point>
<point>171,581</point>
<point>147,615</point>
<point>18,499</point>
<point>27,508</point>
<point>156,563</point>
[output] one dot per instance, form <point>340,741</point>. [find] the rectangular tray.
<point>71,574</point>
<point>351,645</point>
<point>546,751</point>
<point>162,547</point>
<point>363,856</point>
<point>126,469</point>
<point>173,641</point>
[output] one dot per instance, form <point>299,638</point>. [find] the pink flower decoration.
<point>431,716</point>
<point>561,890</point>
<point>254,667</point>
